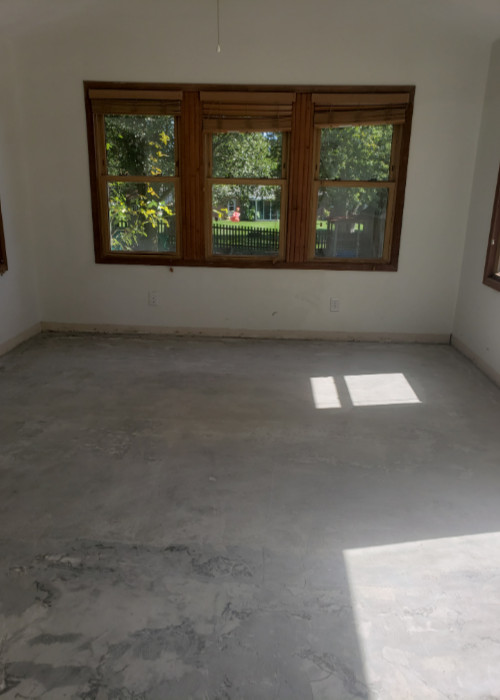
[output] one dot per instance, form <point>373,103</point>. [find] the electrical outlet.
<point>153,299</point>
<point>334,304</point>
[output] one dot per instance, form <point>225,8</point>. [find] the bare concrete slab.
<point>247,519</point>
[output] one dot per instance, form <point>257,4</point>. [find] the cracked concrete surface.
<point>179,520</point>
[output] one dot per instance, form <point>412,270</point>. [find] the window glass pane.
<point>245,219</point>
<point>241,154</point>
<point>142,216</point>
<point>350,222</point>
<point>140,145</point>
<point>356,153</point>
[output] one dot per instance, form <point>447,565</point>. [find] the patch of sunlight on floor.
<point>325,392</point>
<point>426,616</point>
<point>362,390</point>
<point>380,389</point>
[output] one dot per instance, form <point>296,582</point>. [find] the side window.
<point>136,178</point>
<point>359,179</point>
<point>3,254</point>
<point>492,267</point>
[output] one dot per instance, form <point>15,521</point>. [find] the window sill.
<point>251,263</point>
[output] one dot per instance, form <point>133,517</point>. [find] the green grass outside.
<point>266,224</point>
<point>252,224</point>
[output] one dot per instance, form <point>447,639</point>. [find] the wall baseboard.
<point>476,360</point>
<point>438,338</point>
<point>10,344</point>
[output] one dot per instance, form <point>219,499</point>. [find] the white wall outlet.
<point>334,304</point>
<point>153,298</point>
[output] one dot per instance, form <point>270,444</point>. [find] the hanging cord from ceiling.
<point>218,26</point>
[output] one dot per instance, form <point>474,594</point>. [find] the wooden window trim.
<point>298,110</point>
<point>3,252</point>
<point>389,184</point>
<point>99,105</point>
<point>492,267</point>
<point>241,125</point>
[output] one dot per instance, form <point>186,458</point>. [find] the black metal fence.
<point>336,244</point>
<point>241,239</point>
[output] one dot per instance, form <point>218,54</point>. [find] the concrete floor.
<point>179,519</point>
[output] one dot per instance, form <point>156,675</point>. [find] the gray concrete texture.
<point>179,519</point>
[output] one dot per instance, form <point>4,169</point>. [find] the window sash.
<point>390,184</point>
<point>324,184</point>
<point>209,158</point>
<point>395,151</point>
<point>102,190</point>
<point>105,214</point>
<point>245,181</point>
<point>270,182</point>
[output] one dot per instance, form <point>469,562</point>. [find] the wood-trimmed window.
<point>492,267</point>
<point>248,176</point>
<point>136,173</point>
<point>3,254</point>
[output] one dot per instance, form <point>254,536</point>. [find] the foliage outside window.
<point>141,213</point>
<point>353,191</point>
<point>492,267</point>
<point>135,184</point>
<point>246,180</point>
<point>248,176</point>
<point>3,254</point>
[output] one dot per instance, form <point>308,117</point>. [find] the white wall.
<point>263,41</point>
<point>19,311</point>
<point>477,321</point>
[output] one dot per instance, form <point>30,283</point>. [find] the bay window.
<point>250,176</point>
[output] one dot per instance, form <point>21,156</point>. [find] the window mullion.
<point>301,179</point>
<point>190,168</point>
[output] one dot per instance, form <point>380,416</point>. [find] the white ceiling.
<point>475,17</point>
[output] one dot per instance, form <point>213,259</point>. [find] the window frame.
<point>101,101</point>
<point>330,183</point>
<point>491,276</point>
<point>297,230</point>
<point>3,252</point>
<point>210,181</point>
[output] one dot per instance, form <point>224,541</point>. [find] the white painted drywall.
<point>477,320</point>
<point>19,310</point>
<point>330,42</point>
